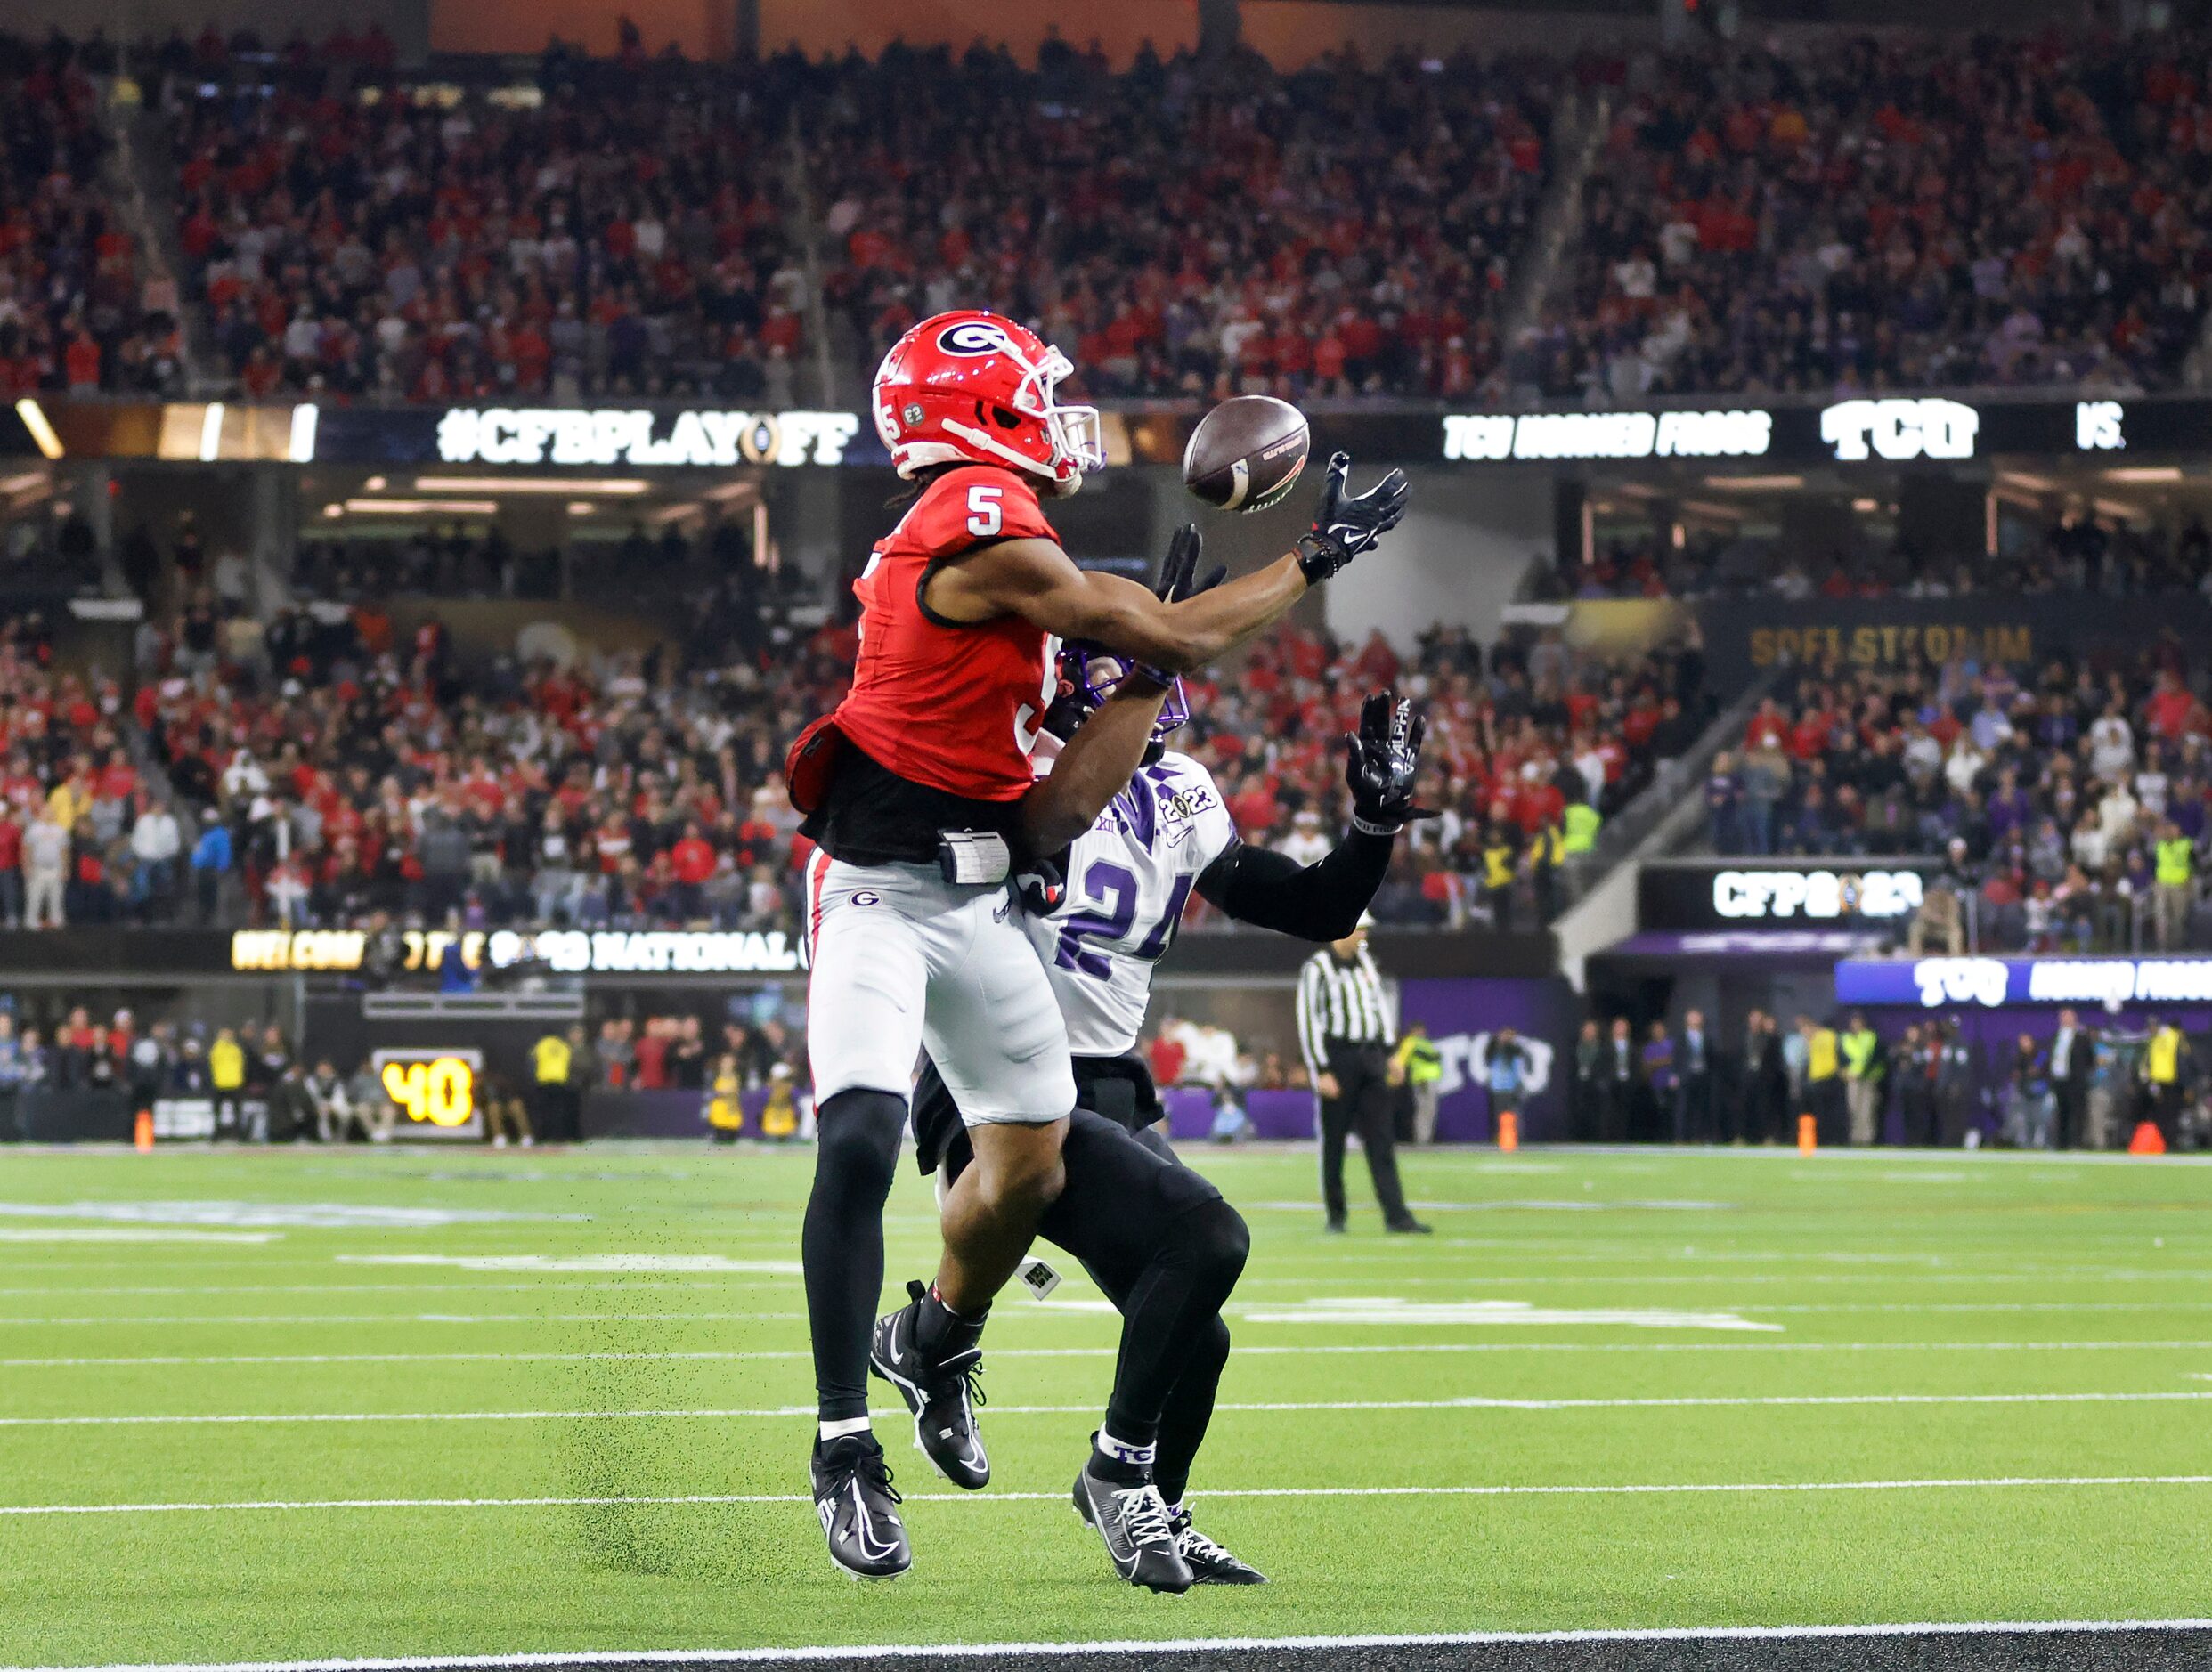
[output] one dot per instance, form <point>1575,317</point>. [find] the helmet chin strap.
<point>984,441</point>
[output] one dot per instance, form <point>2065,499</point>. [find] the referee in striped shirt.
<point>1344,1029</point>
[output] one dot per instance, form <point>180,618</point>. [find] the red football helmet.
<point>974,388</point>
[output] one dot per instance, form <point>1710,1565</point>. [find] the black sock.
<point>842,1245</point>
<point>940,1332</point>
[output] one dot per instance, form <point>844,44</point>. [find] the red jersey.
<point>951,705</point>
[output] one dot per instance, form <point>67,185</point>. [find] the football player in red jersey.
<point>911,789</point>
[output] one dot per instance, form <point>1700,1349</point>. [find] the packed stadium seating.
<point>79,310</point>
<point>323,768</point>
<point>2045,792</point>
<point>1378,208</point>
<point>1889,214</point>
<point>623,235</point>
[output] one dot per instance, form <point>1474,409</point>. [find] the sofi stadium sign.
<point>1936,983</point>
<point>616,436</point>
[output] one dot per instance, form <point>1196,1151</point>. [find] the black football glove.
<point>1041,887</point>
<point>1179,582</point>
<point>1380,763</point>
<point>1347,524</point>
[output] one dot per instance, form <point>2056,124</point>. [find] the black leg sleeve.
<point>1163,1245</point>
<point>1190,1409</point>
<point>842,1248</point>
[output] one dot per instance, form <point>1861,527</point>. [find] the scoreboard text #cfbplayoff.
<point>565,952</point>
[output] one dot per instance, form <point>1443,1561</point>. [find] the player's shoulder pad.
<point>976,505</point>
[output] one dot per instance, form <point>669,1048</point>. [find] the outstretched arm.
<point>1322,901</point>
<point>1034,580</point>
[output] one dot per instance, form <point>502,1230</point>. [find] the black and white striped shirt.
<point>1340,1004</point>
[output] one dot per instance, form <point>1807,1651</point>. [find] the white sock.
<point>1122,1452</point>
<point>850,1425</point>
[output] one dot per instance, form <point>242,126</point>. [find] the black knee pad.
<point>857,1134</point>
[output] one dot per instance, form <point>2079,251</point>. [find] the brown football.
<point>1245,454</point>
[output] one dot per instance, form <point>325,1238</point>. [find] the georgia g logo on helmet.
<point>974,338</point>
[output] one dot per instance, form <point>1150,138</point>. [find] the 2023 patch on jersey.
<point>1129,877</point>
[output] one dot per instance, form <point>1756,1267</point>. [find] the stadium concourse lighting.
<point>34,417</point>
<point>2144,473</point>
<point>529,484</point>
<point>423,508</point>
<point>1754,485</point>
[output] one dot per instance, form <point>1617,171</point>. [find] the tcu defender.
<point>1157,1238</point>
<point>911,789</point>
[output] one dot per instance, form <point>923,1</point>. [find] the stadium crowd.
<point>80,312</point>
<point>323,766</point>
<point>1876,215</point>
<point>1379,209</point>
<point>1858,214</point>
<point>2069,804</point>
<point>623,235</point>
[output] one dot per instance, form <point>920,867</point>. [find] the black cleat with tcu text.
<point>942,1393</point>
<point>857,1503</point>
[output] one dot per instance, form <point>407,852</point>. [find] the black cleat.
<point>854,1496</point>
<point>1208,1562</point>
<point>1411,1228</point>
<point>1131,1518</point>
<point>942,1394</point>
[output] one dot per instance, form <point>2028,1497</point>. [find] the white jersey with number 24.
<point>1129,876</point>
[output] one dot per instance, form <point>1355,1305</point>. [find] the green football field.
<point>311,1403</point>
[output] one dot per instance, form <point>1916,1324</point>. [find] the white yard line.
<point>1060,1499</point>
<point>1467,1402</point>
<point>1162,1646</point>
<point>1242,1352</point>
<point>1263,1313</point>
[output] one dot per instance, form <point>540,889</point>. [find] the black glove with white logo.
<point>1380,763</point>
<point>1346,523</point>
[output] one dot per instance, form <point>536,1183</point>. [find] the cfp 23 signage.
<point>568,435</point>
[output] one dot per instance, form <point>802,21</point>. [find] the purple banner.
<point>1462,1016</point>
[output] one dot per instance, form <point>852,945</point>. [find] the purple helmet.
<point>1088,674</point>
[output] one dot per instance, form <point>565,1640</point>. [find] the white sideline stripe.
<point>1261,1313</point>
<point>1162,1646</point>
<point>1467,1402</point>
<point>1633,1490</point>
<point>122,1320</point>
<point>1242,1352</point>
<point>731,1281</point>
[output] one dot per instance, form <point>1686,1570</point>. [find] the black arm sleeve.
<point>1322,901</point>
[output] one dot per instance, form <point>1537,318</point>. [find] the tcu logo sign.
<point>1900,429</point>
<point>1960,981</point>
<point>1461,1060</point>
